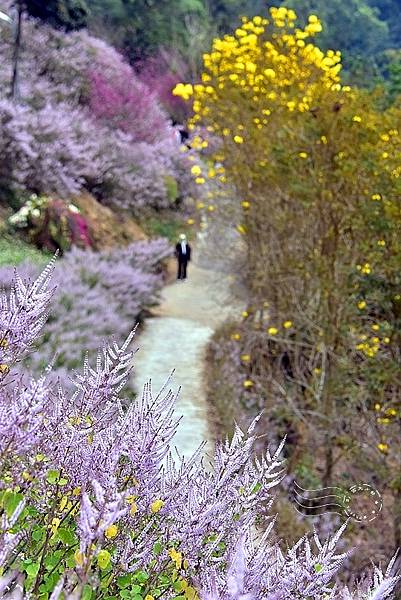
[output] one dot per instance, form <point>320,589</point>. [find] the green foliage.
<point>389,11</point>
<point>225,13</point>
<point>14,251</point>
<point>353,26</point>
<point>143,27</point>
<point>167,226</point>
<point>61,14</point>
<point>172,188</point>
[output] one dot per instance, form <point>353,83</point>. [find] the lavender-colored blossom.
<point>85,121</point>
<point>210,522</point>
<point>100,295</point>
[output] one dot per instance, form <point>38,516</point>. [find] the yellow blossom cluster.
<point>272,62</point>
<point>369,346</point>
<point>274,330</point>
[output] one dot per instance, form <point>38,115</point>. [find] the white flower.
<point>73,208</point>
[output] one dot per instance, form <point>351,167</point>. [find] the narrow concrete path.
<point>176,337</point>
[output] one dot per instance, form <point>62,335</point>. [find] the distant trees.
<point>62,14</point>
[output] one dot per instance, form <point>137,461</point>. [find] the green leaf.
<point>137,589</point>
<point>66,536</point>
<point>11,500</point>
<point>178,586</point>
<point>33,569</point>
<point>52,476</point>
<point>38,534</point>
<point>124,581</point>
<point>87,593</point>
<point>318,567</point>
<point>157,548</point>
<point>256,488</point>
<point>141,576</point>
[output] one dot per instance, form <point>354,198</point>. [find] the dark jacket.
<point>179,254</point>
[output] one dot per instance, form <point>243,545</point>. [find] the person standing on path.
<point>183,255</point>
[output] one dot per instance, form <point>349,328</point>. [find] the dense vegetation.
<point>293,158</point>
<point>93,505</point>
<point>318,348</point>
<point>368,32</point>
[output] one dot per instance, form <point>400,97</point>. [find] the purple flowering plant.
<point>94,505</point>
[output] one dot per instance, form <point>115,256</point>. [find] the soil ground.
<point>176,337</point>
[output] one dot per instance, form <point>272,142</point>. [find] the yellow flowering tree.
<point>316,172</point>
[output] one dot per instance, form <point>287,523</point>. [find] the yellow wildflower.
<point>111,532</point>
<point>238,139</point>
<point>272,331</point>
<point>55,525</point>
<point>245,357</point>
<point>156,505</point>
<point>176,557</point>
<point>63,502</point>
<point>248,383</point>
<point>287,324</point>
<point>361,304</point>
<point>383,448</point>
<point>196,170</point>
<point>270,73</point>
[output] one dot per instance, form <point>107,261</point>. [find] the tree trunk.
<point>397,519</point>
<point>328,471</point>
<point>16,52</point>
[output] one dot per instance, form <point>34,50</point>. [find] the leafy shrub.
<point>52,224</point>
<point>313,166</point>
<point>94,506</point>
<point>116,286</point>
<point>86,122</point>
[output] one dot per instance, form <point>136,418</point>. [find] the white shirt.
<point>183,247</point>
